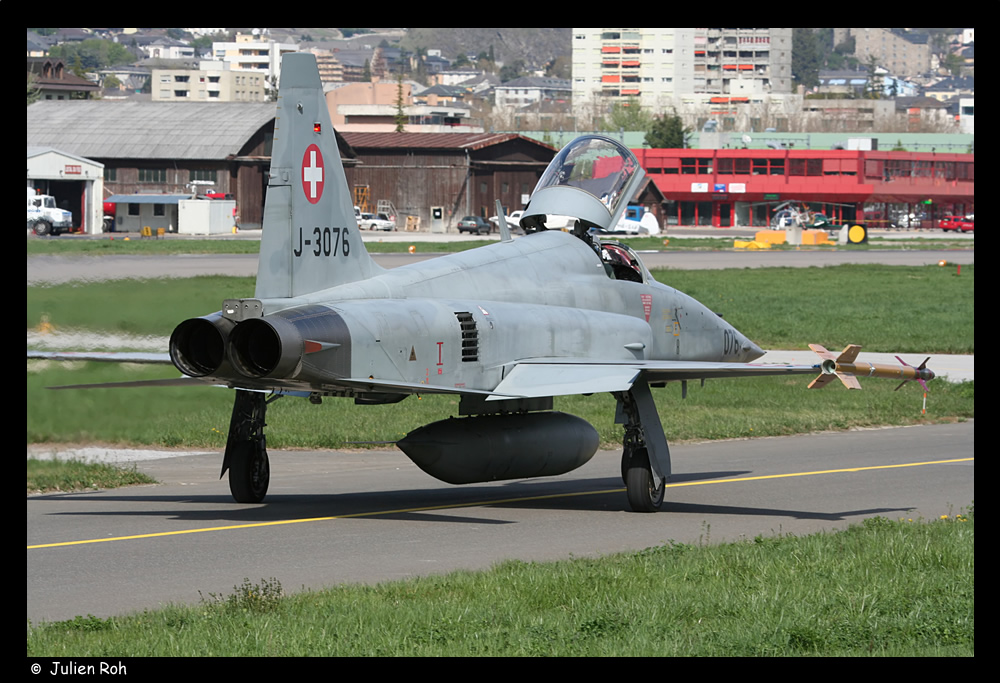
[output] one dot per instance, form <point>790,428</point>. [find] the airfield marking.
<point>482,503</point>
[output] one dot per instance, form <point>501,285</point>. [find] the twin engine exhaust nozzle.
<point>282,345</point>
<point>214,346</point>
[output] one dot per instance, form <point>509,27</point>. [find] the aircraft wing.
<point>104,356</point>
<point>556,377</point>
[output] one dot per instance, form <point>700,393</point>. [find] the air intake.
<point>470,337</point>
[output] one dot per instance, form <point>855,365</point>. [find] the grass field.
<point>883,588</point>
<point>51,475</point>
<point>109,245</point>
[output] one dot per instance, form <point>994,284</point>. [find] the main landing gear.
<point>246,450</point>
<point>645,456</point>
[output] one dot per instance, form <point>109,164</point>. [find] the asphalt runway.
<point>345,517</point>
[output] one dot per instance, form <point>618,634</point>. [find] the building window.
<point>696,166</point>
<point>152,175</point>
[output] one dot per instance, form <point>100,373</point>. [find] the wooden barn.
<point>464,173</point>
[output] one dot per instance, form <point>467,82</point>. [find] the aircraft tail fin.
<point>310,237</point>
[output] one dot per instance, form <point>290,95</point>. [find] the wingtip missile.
<point>847,369</point>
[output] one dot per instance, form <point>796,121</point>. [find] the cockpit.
<point>586,188</point>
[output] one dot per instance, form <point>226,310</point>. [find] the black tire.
<point>640,484</point>
<point>250,472</point>
<point>42,228</point>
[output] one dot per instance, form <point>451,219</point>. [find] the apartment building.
<point>901,53</point>
<point>253,52</point>
<point>657,66</point>
<point>212,82</point>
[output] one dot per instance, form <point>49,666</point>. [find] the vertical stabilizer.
<point>310,237</point>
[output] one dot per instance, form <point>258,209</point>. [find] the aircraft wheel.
<point>250,472</point>
<point>626,459</point>
<point>640,484</point>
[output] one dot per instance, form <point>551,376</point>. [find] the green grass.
<point>199,416</point>
<point>58,475</point>
<point>222,245</point>
<point>116,244</point>
<point>884,308</point>
<point>885,588</point>
<point>137,307</point>
<point>891,309</point>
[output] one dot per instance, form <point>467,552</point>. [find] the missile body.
<point>847,369</point>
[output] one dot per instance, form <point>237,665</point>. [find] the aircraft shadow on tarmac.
<point>426,505</point>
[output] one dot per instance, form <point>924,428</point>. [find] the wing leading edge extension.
<point>556,377</point>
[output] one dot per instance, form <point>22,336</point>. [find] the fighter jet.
<point>505,327</point>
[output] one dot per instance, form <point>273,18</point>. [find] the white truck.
<point>44,217</point>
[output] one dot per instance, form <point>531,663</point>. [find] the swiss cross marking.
<point>312,174</point>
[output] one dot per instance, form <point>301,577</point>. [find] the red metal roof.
<point>431,140</point>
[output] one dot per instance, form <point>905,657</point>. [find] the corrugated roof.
<point>146,130</point>
<point>430,140</point>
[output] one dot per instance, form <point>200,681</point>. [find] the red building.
<point>728,187</point>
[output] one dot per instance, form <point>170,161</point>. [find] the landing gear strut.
<point>246,451</point>
<point>645,455</point>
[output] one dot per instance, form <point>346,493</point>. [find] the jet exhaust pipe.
<point>198,346</point>
<point>306,342</point>
<point>266,347</point>
<point>496,447</point>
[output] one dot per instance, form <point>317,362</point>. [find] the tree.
<point>873,90</point>
<point>34,92</point>
<point>667,132</point>
<point>805,57</point>
<point>511,71</point>
<point>559,67</point>
<point>953,63</point>
<point>400,117</point>
<point>627,115</point>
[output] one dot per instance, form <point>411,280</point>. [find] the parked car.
<point>513,220</point>
<point>957,223</point>
<point>474,224</point>
<point>378,221</point>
